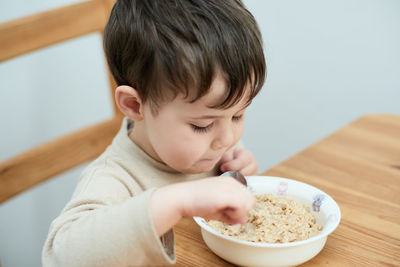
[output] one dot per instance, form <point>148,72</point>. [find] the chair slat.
<point>26,34</point>
<point>55,157</point>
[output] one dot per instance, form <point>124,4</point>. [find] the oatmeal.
<point>273,220</point>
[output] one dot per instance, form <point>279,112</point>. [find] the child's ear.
<point>129,102</point>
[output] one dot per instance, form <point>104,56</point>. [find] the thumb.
<point>233,217</point>
<point>236,153</point>
<point>227,156</point>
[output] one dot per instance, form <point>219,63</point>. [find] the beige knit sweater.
<point>107,222</point>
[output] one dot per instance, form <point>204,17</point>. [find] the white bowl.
<point>246,253</point>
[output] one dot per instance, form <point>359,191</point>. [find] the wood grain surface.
<point>54,157</point>
<point>47,28</point>
<point>359,166</point>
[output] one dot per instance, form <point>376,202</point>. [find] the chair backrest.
<point>27,34</point>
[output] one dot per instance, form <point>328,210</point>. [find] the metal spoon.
<point>237,176</point>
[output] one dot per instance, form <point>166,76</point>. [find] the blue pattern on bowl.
<point>317,202</point>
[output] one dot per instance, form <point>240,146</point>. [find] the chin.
<point>196,171</point>
<point>199,169</point>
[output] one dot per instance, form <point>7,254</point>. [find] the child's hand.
<point>217,198</point>
<point>241,160</point>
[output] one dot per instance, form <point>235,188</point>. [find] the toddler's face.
<point>191,137</point>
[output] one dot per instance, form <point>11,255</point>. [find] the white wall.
<point>329,62</point>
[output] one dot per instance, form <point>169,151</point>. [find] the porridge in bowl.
<point>260,253</point>
<point>273,220</point>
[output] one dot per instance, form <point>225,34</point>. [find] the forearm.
<point>166,208</point>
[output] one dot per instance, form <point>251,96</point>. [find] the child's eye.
<point>237,118</point>
<point>199,129</point>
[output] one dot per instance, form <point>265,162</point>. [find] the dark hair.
<point>166,47</point>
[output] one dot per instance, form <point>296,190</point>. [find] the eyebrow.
<point>219,116</point>
<point>215,116</point>
<point>207,117</point>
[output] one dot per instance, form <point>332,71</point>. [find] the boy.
<point>186,71</point>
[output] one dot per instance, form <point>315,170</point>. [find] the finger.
<point>233,217</point>
<point>222,217</point>
<point>242,204</point>
<point>250,169</point>
<point>240,159</point>
<point>237,153</point>
<point>231,221</point>
<point>233,165</point>
<point>236,214</point>
<point>227,156</point>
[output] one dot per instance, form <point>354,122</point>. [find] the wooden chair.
<point>33,32</point>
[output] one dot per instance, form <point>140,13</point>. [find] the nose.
<point>224,138</point>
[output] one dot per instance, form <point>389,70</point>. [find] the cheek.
<point>238,132</point>
<point>178,147</point>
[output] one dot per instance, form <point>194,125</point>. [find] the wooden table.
<point>359,166</point>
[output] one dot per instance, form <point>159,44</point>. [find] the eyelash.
<point>237,118</point>
<point>205,129</point>
<point>199,129</point>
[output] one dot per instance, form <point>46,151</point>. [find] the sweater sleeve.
<point>98,229</point>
